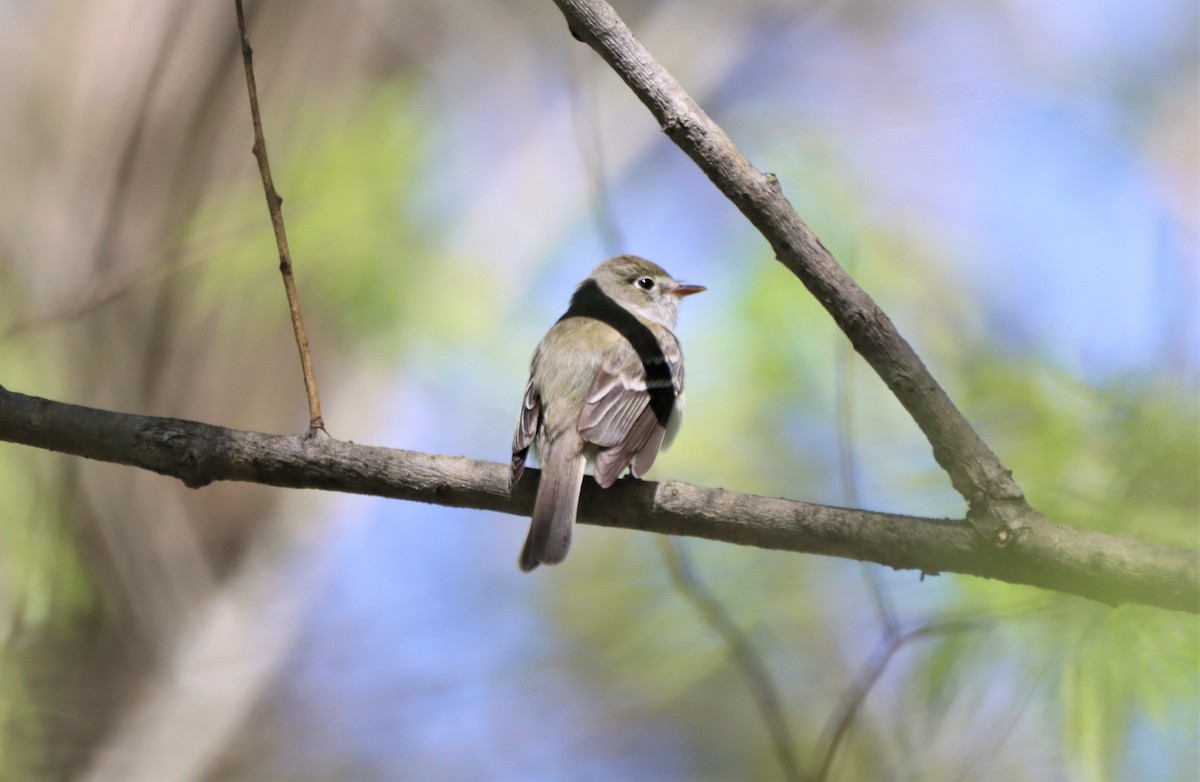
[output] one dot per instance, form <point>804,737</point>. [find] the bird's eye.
<point>645,283</point>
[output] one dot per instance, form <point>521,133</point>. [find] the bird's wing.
<point>617,414</point>
<point>527,424</point>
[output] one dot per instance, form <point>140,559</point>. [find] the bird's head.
<point>643,287</point>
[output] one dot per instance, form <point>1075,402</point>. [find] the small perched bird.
<point>605,386</point>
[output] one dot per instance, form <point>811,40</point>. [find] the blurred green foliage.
<point>1122,458</point>
<point>365,262</point>
<point>44,587</point>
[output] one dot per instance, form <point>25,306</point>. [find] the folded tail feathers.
<point>554,512</point>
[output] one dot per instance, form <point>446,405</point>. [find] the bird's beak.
<point>687,290</point>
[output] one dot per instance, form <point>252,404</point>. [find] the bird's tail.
<point>553,510</point>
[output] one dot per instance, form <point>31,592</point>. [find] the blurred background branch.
<point>762,688</point>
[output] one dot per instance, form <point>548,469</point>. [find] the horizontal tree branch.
<point>997,505</point>
<point>1094,565</point>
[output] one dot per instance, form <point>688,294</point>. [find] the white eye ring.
<point>645,283</point>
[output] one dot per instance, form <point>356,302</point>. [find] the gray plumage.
<point>604,388</point>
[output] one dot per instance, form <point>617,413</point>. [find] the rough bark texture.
<point>1097,566</point>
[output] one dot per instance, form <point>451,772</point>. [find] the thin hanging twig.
<point>315,422</point>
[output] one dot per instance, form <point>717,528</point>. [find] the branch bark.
<point>997,506</point>
<point>1090,564</point>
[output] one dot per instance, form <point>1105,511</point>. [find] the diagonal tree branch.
<point>997,505</point>
<point>1091,564</point>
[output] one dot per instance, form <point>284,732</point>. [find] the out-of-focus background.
<point>1015,182</point>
